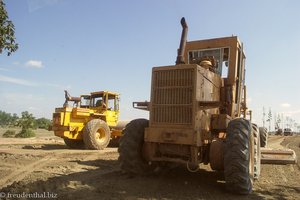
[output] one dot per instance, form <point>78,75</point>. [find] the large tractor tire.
<point>239,156</point>
<point>257,153</point>
<point>74,144</point>
<point>263,132</point>
<point>216,154</point>
<point>131,147</point>
<point>96,134</point>
<point>114,142</point>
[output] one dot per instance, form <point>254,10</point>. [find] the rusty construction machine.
<point>198,114</point>
<point>91,122</point>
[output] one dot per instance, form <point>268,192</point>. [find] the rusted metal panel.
<point>171,135</point>
<point>220,122</point>
<point>180,91</point>
<point>172,100</point>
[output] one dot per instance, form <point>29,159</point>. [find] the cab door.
<point>112,109</point>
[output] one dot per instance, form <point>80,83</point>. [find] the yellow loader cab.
<point>89,121</point>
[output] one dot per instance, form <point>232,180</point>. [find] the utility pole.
<point>269,118</point>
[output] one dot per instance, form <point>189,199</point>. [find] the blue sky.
<point>92,45</point>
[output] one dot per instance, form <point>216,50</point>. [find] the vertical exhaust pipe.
<point>180,51</point>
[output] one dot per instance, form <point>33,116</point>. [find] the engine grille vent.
<point>172,96</point>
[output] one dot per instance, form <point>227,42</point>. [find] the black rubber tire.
<point>74,144</point>
<point>114,142</point>
<point>257,153</point>
<point>216,154</point>
<point>96,134</point>
<point>263,132</point>
<point>131,147</point>
<point>239,156</point>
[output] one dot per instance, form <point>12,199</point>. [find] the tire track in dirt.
<point>275,142</point>
<point>89,174</point>
<point>294,144</point>
<point>23,171</point>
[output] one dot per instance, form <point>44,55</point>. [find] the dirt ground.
<point>44,166</point>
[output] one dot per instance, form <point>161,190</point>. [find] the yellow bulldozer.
<point>197,114</point>
<point>91,122</point>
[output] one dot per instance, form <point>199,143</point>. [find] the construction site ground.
<point>44,166</point>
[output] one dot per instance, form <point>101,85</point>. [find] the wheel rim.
<point>100,135</point>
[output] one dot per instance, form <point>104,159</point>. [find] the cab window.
<point>219,57</point>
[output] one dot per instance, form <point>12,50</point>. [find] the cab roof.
<point>104,92</point>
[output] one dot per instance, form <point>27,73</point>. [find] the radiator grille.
<point>172,96</point>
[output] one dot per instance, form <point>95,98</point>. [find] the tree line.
<point>27,120</point>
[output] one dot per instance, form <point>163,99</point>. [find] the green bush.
<point>9,134</point>
<point>26,133</point>
<point>42,123</point>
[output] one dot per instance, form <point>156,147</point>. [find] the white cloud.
<point>292,112</point>
<point>35,5</point>
<point>16,81</point>
<point>285,105</point>
<point>32,108</point>
<point>31,83</point>
<point>4,69</point>
<point>14,98</point>
<point>34,64</point>
<point>17,102</point>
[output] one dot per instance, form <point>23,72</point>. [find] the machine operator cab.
<point>104,100</point>
<point>225,57</point>
<point>85,100</point>
<point>216,60</point>
<point>107,104</point>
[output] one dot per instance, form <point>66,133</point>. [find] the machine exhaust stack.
<point>180,53</point>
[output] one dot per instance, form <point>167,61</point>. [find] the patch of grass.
<point>26,133</point>
<point>9,134</point>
